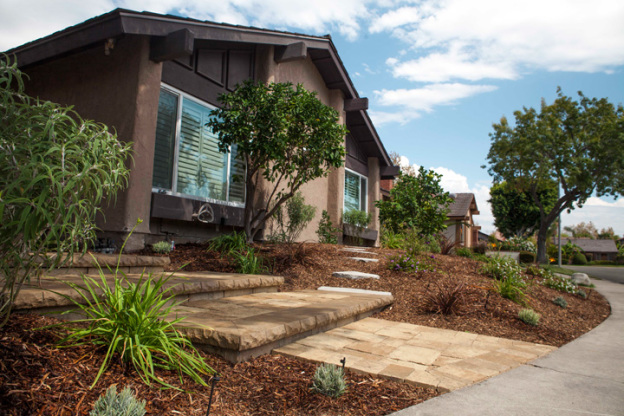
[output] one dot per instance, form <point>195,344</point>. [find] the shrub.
<point>432,244</point>
<point>329,380</point>
<point>446,244</point>
<point>579,259</point>
<point>227,244</point>
<point>162,247</point>
<point>511,288</point>
<point>112,403</point>
<point>327,233</point>
<point>582,293</point>
<point>561,302</point>
<point>249,263</point>
<point>535,270</point>
<point>463,252</point>
<point>129,320</point>
<point>527,257</point>
<point>602,263</point>
<point>518,244</point>
<point>446,299</point>
<point>298,216</point>
<point>560,283</point>
<point>407,262</point>
<point>501,268</point>
<point>480,248</point>
<point>529,316</point>
<point>390,239</point>
<point>356,221</point>
<point>55,171</point>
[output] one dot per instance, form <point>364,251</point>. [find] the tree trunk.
<point>542,256</point>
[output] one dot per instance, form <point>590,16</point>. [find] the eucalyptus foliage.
<point>416,202</point>
<point>578,144</point>
<point>287,138</point>
<point>55,170</point>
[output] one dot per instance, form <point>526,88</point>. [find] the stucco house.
<point>155,78</point>
<point>460,224</point>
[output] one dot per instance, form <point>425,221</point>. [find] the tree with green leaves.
<point>55,170</point>
<point>287,138</point>
<point>578,144</point>
<point>416,202</point>
<point>515,212</point>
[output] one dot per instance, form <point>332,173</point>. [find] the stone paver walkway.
<point>424,356</point>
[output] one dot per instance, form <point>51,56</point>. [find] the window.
<point>355,191</point>
<point>187,160</point>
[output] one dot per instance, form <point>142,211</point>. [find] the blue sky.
<point>438,73</point>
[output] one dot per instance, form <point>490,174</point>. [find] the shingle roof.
<point>461,205</point>
<point>592,246</point>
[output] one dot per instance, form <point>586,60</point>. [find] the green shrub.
<point>529,316</point>
<point>432,244</point>
<point>227,244</point>
<point>511,288</point>
<point>480,248</point>
<point>527,257</point>
<point>329,380</point>
<point>501,268</point>
<point>55,171</point>
<point>327,233</point>
<point>407,262</point>
<point>415,242</point>
<point>582,293</point>
<point>559,283</point>
<point>129,322</point>
<point>535,270</point>
<point>356,218</point>
<point>602,263</point>
<point>162,247</point>
<point>561,302</point>
<point>463,252</point>
<point>390,239</point>
<point>579,259</point>
<point>248,262</point>
<point>112,403</point>
<point>518,244</point>
<point>298,216</point>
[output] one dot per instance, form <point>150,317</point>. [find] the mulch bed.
<point>309,266</point>
<point>36,378</point>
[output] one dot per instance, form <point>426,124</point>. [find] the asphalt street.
<point>612,274</point>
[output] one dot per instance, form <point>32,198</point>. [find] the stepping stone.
<point>353,290</point>
<point>354,249</point>
<point>364,259</point>
<point>355,275</point>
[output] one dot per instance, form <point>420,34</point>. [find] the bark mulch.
<point>37,378</point>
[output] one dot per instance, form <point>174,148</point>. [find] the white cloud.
<point>413,102</point>
<point>502,39</point>
<point>603,213</point>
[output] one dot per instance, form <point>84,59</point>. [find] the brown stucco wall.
<point>374,194</point>
<point>121,90</point>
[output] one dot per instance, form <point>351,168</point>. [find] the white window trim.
<point>365,191</point>
<point>174,184</point>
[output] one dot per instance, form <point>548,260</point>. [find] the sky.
<point>438,73</point>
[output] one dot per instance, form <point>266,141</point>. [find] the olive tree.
<point>287,138</point>
<point>578,144</point>
<point>55,169</point>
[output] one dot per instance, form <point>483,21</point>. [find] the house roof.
<point>463,205</point>
<point>592,246</point>
<point>320,49</point>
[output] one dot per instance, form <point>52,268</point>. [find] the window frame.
<point>181,95</point>
<point>360,184</point>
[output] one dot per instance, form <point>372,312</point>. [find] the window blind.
<point>165,140</point>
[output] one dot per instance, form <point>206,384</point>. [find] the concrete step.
<point>128,263</point>
<point>242,327</point>
<point>192,286</point>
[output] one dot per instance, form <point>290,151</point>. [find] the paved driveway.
<point>613,274</point>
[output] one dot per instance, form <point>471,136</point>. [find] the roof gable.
<point>463,205</point>
<point>592,246</point>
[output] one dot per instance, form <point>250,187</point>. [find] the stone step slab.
<point>364,259</point>
<point>355,275</point>
<point>242,327</point>
<point>51,294</point>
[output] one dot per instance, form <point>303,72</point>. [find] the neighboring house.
<point>155,78</point>
<point>460,224</point>
<point>595,249</point>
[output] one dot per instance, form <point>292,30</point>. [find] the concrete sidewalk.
<point>584,377</point>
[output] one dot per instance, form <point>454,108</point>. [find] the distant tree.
<point>608,234</point>
<point>396,161</point>
<point>582,230</point>
<point>287,138</point>
<point>416,202</point>
<point>579,144</point>
<point>515,212</point>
